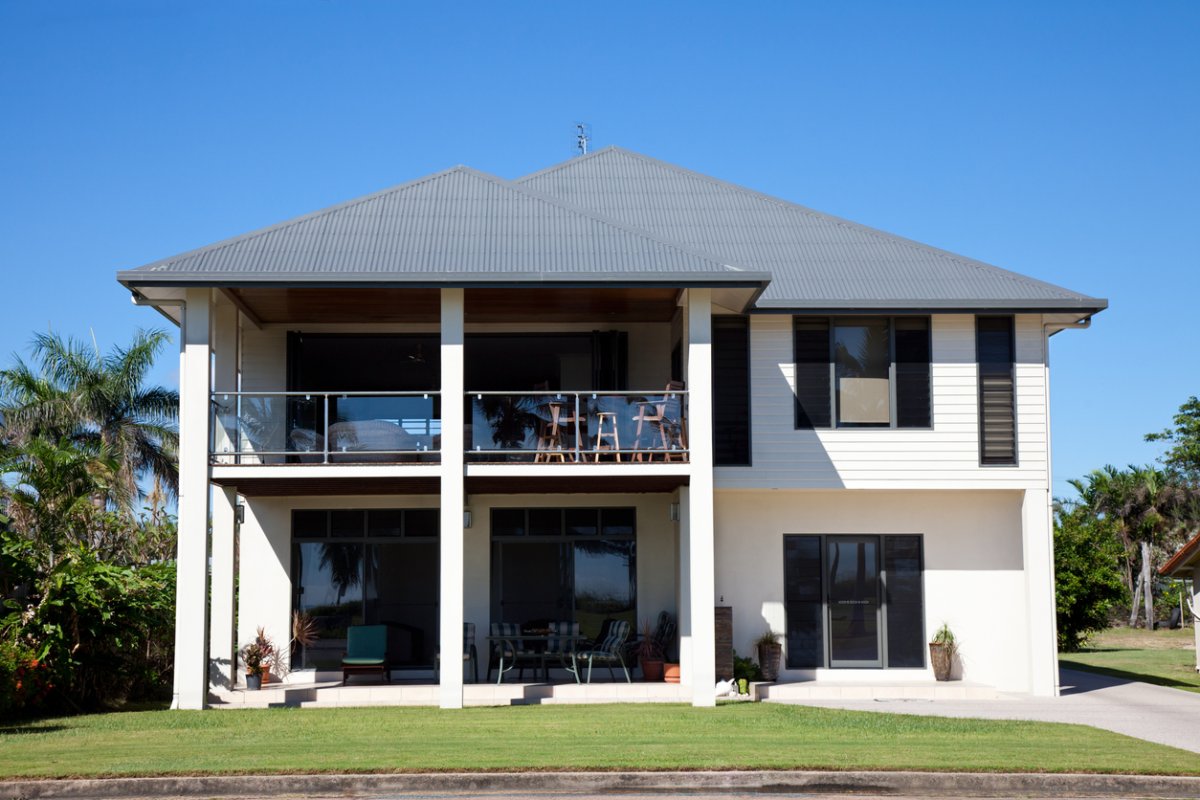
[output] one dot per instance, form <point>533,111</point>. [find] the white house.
<point>611,388</point>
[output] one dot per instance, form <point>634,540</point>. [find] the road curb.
<point>920,784</point>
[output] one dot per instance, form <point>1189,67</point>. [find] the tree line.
<point>88,472</point>
<point>1123,524</point>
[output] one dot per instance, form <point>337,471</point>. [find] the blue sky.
<point>1058,140</point>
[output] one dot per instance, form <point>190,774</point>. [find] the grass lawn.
<point>608,737</point>
<point>1167,658</point>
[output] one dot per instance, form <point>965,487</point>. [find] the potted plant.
<point>650,653</point>
<point>769,653</point>
<point>942,650</point>
<point>258,656</point>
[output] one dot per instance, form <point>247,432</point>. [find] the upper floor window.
<point>995,345</point>
<point>862,372</point>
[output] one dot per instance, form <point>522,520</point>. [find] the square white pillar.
<point>222,647</point>
<point>191,589</point>
<point>1037,542</point>
<point>450,610</point>
<point>698,498</point>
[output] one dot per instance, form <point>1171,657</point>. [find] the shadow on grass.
<point>1157,680</point>
<point>29,728</point>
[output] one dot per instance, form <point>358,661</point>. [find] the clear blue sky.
<point>1061,140</point>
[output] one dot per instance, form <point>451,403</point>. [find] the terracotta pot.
<point>671,673</point>
<point>942,659</point>
<point>652,670</point>
<point>769,654</point>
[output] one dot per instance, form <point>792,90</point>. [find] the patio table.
<point>525,645</point>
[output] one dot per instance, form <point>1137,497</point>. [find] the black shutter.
<point>912,373</point>
<point>731,390</point>
<point>997,406</point>
<point>810,345</point>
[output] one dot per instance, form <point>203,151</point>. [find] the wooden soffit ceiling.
<point>420,305</point>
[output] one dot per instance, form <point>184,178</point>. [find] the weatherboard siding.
<point>946,455</point>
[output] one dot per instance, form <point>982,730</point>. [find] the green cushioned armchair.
<point>366,651</point>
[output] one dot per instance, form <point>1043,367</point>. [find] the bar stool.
<point>607,433</point>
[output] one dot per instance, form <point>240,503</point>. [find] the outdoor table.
<point>520,647</point>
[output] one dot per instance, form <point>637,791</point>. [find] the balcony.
<point>325,428</point>
<point>577,427</point>
<point>546,427</point>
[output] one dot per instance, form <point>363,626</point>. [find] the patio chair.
<point>470,655</point>
<point>366,651</point>
<point>607,651</point>
<point>507,650</point>
<point>560,649</point>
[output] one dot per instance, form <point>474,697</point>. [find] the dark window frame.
<point>822,539</point>
<point>893,400</point>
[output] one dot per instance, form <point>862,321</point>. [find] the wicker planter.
<point>941,656</point>
<point>769,654</point>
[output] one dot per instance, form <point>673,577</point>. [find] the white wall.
<point>974,579</point>
<point>946,456</point>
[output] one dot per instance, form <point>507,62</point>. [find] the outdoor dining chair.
<point>608,650</point>
<point>470,654</point>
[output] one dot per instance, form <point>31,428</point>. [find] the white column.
<point>451,602</point>
<point>1038,548</point>
<point>699,495</point>
<point>222,648</point>
<point>1196,610</point>
<point>685,591</point>
<point>191,589</point>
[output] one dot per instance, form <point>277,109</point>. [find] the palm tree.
<point>100,402</point>
<point>1147,506</point>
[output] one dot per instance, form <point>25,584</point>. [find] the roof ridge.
<point>789,205</point>
<point>288,223</point>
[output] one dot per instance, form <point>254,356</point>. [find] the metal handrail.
<point>233,401</point>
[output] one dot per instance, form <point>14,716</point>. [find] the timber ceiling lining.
<point>399,305</point>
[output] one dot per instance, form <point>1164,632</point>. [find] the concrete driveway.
<point>1154,713</point>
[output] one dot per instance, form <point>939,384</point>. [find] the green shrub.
<point>1087,575</point>
<point>746,668</point>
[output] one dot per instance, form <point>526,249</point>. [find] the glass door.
<point>852,594</point>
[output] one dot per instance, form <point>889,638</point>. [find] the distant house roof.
<point>1187,556</point>
<point>609,217</point>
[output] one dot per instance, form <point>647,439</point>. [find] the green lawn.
<point>609,737</point>
<point>1167,658</point>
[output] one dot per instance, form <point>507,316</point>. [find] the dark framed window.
<point>854,601</point>
<point>731,390</point>
<point>564,564</point>
<point>367,567</point>
<point>863,371</point>
<point>994,348</point>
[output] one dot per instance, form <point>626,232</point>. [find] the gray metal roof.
<point>609,217</point>
<point>815,260</point>
<point>455,226</point>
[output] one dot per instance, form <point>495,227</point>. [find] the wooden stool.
<point>607,435</point>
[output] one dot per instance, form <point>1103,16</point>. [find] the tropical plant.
<point>1148,508</point>
<point>1184,438</point>
<point>944,637</point>
<point>1088,582</point>
<point>259,655</point>
<point>99,402</point>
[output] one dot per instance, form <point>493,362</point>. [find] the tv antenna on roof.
<point>582,137</point>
